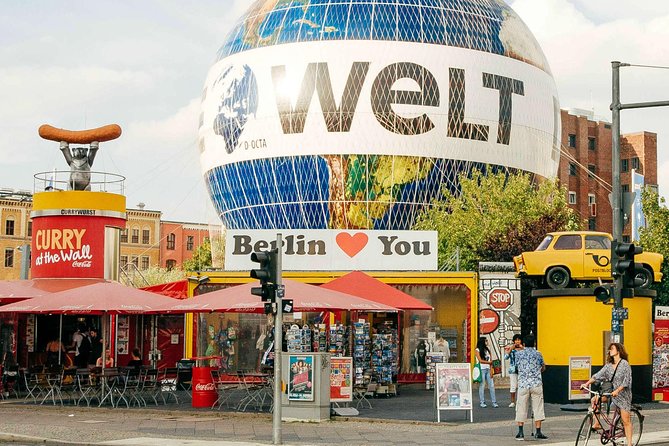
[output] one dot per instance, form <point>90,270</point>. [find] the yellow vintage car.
<point>581,256</point>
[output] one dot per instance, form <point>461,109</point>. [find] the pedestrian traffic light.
<point>603,293</point>
<point>266,274</point>
<point>624,266</point>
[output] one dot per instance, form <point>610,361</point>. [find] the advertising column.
<point>661,355</point>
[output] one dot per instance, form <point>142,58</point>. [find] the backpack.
<point>85,347</point>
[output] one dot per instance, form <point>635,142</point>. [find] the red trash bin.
<point>204,390</point>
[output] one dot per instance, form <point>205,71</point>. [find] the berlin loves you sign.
<point>331,250</point>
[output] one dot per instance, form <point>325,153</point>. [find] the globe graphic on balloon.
<point>344,114</point>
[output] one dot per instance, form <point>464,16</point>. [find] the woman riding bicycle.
<point>618,371</point>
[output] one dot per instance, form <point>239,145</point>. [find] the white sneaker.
<point>512,405</point>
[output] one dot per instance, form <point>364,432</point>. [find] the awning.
<point>16,290</point>
<point>238,299</point>
<point>177,290</point>
<point>362,285</point>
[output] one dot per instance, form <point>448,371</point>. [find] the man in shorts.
<point>510,354</point>
<point>530,364</point>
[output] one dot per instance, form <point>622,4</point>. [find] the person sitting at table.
<point>54,350</point>
<point>135,359</point>
<point>109,361</point>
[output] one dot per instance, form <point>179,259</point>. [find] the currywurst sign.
<point>326,250</point>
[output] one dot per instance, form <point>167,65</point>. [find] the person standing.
<point>510,354</point>
<point>96,347</point>
<point>530,365</point>
<point>82,347</point>
<point>485,359</point>
<point>618,371</point>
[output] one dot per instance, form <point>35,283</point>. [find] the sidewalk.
<point>27,423</point>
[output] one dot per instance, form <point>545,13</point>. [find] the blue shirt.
<point>529,363</point>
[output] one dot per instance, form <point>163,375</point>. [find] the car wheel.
<point>647,276</point>
<point>558,277</point>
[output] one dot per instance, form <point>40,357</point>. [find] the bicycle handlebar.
<point>596,392</point>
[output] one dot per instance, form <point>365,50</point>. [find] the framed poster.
<point>341,379</point>
<point>301,378</point>
<point>579,373</point>
<point>453,387</point>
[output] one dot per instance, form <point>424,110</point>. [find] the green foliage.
<point>201,258</point>
<point>496,216</point>
<point>156,275</point>
<point>655,237</point>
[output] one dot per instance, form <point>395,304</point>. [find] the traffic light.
<point>603,293</point>
<point>624,266</point>
<point>266,274</point>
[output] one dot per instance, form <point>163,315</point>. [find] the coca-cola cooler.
<point>306,383</point>
<point>204,389</point>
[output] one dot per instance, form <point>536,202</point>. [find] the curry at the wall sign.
<point>68,247</point>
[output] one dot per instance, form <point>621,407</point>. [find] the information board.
<point>341,379</point>
<point>580,369</point>
<point>453,389</point>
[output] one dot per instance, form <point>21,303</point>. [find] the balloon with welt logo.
<point>349,114</point>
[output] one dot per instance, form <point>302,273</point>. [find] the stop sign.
<point>488,321</point>
<point>500,298</point>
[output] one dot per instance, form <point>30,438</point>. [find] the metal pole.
<point>25,261</point>
<point>616,194</point>
<point>278,343</point>
<point>60,341</point>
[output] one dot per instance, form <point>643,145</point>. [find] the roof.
<point>362,285</point>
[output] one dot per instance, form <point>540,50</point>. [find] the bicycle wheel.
<point>637,428</point>
<point>584,431</point>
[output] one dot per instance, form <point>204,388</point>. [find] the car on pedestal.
<point>581,256</point>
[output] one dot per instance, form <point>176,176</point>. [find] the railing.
<point>55,180</point>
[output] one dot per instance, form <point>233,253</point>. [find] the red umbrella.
<point>238,299</point>
<point>16,290</point>
<point>101,298</point>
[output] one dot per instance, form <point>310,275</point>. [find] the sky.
<point>82,64</point>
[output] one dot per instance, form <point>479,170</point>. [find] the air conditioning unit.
<point>593,209</point>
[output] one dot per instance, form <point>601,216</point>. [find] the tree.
<point>496,216</point>
<point>655,237</point>
<point>201,258</point>
<point>156,275</point>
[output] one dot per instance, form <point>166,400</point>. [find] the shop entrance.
<point>164,334</point>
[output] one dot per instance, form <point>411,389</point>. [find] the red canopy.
<point>14,290</point>
<point>238,299</point>
<point>177,290</point>
<point>100,298</point>
<point>365,286</point>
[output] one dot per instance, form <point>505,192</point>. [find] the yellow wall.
<point>102,201</point>
<point>574,326</point>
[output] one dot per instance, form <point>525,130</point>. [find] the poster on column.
<point>341,379</point>
<point>301,378</point>
<point>454,387</point>
<point>661,353</point>
<point>579,373</point>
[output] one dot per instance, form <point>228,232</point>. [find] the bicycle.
<point>611,425</point>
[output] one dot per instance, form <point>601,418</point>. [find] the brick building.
<point>180,240</point>
<point>15,230</point>
<point>585,166</point>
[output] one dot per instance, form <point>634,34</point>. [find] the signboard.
<point>488,321</point>
<point>453,387</point>
<point>638,218</point>
<point>500,298</point>
<point>332,250</point>
<point>301,378</point>
<point>580,370</point>
<point>341,379</point>
<point>661,354</point>
<point>73,247</point>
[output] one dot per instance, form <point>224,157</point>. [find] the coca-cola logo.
<point>203,387</point>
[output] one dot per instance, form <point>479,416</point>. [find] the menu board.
<point>341,379</point>
<point>301,378</point>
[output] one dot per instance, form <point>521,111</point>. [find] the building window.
<point>124,236</point>
<point>124,262</point>
<point>9,226</point>
<point>189,243</point>
<point>170,265</point>
<point>591,169</point>
<point>572,169</point>
<point>572,140</point>
<point>145,236</point>
<point>572,197</point>
<point>171,238</point>
<point>30,228</point>
<point>592,224</point>
<point>592,199</point>
<point>624,165</point>
<point>9,258</point>
<point>625,187</point>
<point>145,263</point>
<point>135,261</point>
<point>592,143</point>
<point>626,238</point>
<point>135,236</point>
<point>635,163</point>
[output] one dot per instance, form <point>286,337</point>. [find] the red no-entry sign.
<point>488,321</point>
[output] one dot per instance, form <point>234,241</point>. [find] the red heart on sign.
<point>351,244</point>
